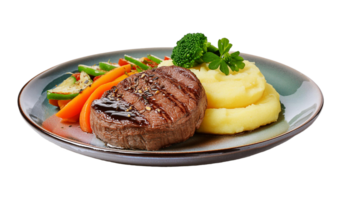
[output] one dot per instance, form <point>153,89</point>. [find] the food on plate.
<point>240,101</point>
<point>107,66</point>
<point>193,49</point>
<point>230,121</point>
<point>110,73</point>
<point>91,70</point>
<point>236,89</point>
<point>70,87</point>
<point>141,64</point>
<point>150,110</point>
<point>74,107</point>
<point>151,103</point>
<point>86,110</point>
<point>189,50</point>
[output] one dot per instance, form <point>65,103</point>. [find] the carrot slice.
<point>74,107</point>
<point>84,120</point>
<point>61,104</point>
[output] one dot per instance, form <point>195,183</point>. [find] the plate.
<point>300,97</point>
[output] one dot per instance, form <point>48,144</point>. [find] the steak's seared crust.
<point>150,110</point>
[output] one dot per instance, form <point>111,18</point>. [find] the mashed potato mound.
<point>236,90</point>
<point>230,121</point>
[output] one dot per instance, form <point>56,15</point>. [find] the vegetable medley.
<point>75,95</point>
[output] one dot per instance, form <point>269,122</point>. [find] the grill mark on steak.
<point>174,92</point>
<point>153,102</point>
<point>157,100</point>
<point>118,109</point>
<point>142,101</point>
<point>179,93</point>
<point>184,79</point>
<point>171,97</point>
<point>179,85</point>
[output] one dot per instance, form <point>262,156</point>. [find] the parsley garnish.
<point>225,60</point>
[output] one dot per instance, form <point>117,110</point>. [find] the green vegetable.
<point>190,49</point>
<point>224,60</point>
<point>194,49</point>
<point>70,87</point>
<point>93,71</point>
<point>154,58</point>
<point>138,69</point>
<point>136,62</point>
<point>107,66</point>
<point>60,93</point>
<point>61,96</point>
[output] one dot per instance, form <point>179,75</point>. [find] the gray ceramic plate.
<point>301,101</point>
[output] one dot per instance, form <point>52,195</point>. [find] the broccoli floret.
<point>190,49</point>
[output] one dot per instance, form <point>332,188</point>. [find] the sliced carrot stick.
<point>84,120</point>
<point>61,104</point>
<point>74,107</point>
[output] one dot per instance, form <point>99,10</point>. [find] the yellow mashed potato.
<point>241,101</point>
<point>230,121</point>
<point>236,90</point>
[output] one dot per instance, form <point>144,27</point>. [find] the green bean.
<point>136,62</point>
<point>154,58</point>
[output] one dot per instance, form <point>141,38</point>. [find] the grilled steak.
<point>150,110</point>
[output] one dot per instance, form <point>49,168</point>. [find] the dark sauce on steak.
<point>119,110</point>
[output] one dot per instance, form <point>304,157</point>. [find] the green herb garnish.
<point>225,60</point>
